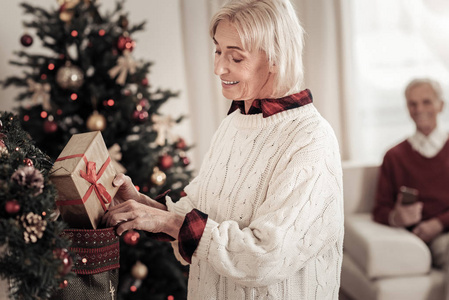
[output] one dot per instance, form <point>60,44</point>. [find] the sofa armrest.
<point>383,251</point>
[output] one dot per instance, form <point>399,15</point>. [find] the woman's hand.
<point>128,191</point>
<point>134,215</point>
<point>428,230</point>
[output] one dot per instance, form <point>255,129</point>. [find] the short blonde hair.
<point>435,85</point>
<point>273,27</point>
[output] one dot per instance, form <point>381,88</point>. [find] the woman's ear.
<point>273,68</point>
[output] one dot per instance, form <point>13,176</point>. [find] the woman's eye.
<point>237,60</point>
<point>217,52</point>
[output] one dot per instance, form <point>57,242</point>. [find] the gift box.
<point>96,262</point>
<point>83,175</point>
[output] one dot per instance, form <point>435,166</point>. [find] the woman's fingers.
<point>126,190</point>
<point>133,215</point>
<point>119,180</point>
<point>136,223</point>
<point>118,218</point>
<point>129,206</point>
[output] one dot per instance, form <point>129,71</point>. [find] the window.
<point>392,42</point>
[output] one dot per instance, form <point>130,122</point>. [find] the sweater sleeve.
<point>187,239</point>
<point>300,219</point>
<point>385,194</point>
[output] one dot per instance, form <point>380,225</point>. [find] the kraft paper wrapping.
<point>83,175</point>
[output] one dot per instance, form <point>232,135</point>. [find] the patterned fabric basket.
<point>96,263</point>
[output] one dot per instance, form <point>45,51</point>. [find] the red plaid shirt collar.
<point>269,107</point>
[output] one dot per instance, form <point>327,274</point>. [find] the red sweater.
<point>404,166</point>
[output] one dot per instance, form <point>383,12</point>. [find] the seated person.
<point>421,162</point>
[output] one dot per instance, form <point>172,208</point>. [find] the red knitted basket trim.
<point>97,270</point>
<point>93,259</point>
<point>91,238</point>
<point>97,250</point>
<point>103,249</point>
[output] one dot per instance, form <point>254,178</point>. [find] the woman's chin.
<point>227,95</point>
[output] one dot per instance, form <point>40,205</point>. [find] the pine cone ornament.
<point>3,150</point>
<point>29,177</point>
<point>34,227</point>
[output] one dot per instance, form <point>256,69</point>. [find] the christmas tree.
<point>33,256</point>
<point>91,81</point>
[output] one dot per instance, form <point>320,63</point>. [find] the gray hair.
<point>271,26</point>
<point>435,85</point>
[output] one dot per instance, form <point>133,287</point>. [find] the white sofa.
<point>381,262</point>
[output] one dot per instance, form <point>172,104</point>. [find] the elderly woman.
<point>264,217</point>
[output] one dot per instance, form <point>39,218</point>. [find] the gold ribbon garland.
<point>116,155</point>
<point>163,126</point>
<point>41,92</point>
<point>125,64</point>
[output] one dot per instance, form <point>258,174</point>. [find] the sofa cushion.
<point>355,284</point>
<point>382,251</point>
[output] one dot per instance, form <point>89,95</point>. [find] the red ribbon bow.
<point>92,177</point>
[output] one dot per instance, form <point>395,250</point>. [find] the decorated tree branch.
<point>33,255</point>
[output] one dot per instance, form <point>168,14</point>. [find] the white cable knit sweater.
<point>272,188</point>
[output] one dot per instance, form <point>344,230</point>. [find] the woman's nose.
<point>220,66</point>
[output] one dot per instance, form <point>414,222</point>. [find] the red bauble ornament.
<point>26,40</point>
<point>12,207</point>
<point>145,82</point>
<point>185,161</point>
<point>50,126</point>
<point>183,194</point>
<point>140,115</point>
<point>28,162</point>
<point>67,261</point>
<point>131,237</point>
<point>165,162</point>
<point>144,104</point>
<point>64,284</point>
<point>181,144</point>
<point>125,43</point>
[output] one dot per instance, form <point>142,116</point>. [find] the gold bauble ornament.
<point>70,77</point>
<point>96,122</point>
<point>158,177</point>
<point>139,271</point>
<point>66,9</point>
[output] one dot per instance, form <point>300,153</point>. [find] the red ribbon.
<point>92,177</point>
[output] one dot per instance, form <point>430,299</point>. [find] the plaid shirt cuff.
<point>161,236</point>
<point>161,197</point>
<point>190,233</point>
